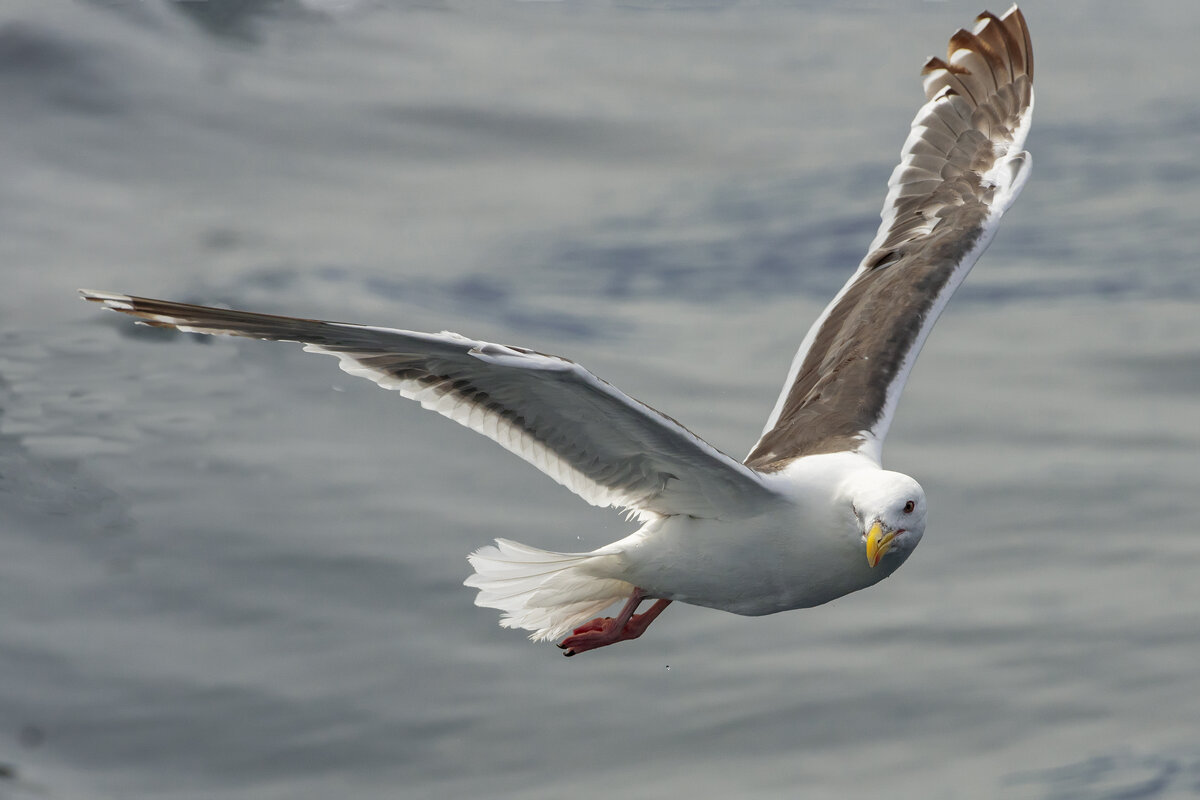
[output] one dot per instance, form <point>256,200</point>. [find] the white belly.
<point>752,566</point>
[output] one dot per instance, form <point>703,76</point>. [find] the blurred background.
<point>229,570</point>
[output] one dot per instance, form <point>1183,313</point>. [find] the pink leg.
<point>610,630</point>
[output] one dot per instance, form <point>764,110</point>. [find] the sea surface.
<point>229,570</point>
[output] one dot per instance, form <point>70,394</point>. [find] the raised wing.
<point>586,434</point>
<point>961,168</point>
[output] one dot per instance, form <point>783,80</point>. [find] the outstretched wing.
<point>586,434</point>
<point>961,168</point>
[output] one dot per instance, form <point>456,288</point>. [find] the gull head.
<point>890,511</point>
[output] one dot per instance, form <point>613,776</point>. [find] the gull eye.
<point>909,506</point>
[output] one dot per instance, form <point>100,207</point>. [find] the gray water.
<point>228,570</point>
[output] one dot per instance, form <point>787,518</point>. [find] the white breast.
<point>802,552</point>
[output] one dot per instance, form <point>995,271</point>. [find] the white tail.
<point>548,593</point>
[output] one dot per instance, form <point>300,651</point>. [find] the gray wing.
<point>600,443</point>
<point>961,168</point>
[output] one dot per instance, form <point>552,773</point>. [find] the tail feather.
<point>547,593</point>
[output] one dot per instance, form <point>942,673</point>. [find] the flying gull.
<point>810,515</point>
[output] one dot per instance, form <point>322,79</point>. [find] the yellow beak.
<point>878,543</point>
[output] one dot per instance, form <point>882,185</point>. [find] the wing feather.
<point>584,433</point>
<point>961,167</point>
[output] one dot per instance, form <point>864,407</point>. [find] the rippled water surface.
<point>228,570</point>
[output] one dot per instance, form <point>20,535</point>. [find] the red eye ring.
<point>909,506</point>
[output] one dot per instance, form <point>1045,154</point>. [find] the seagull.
<point>810,515</point>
